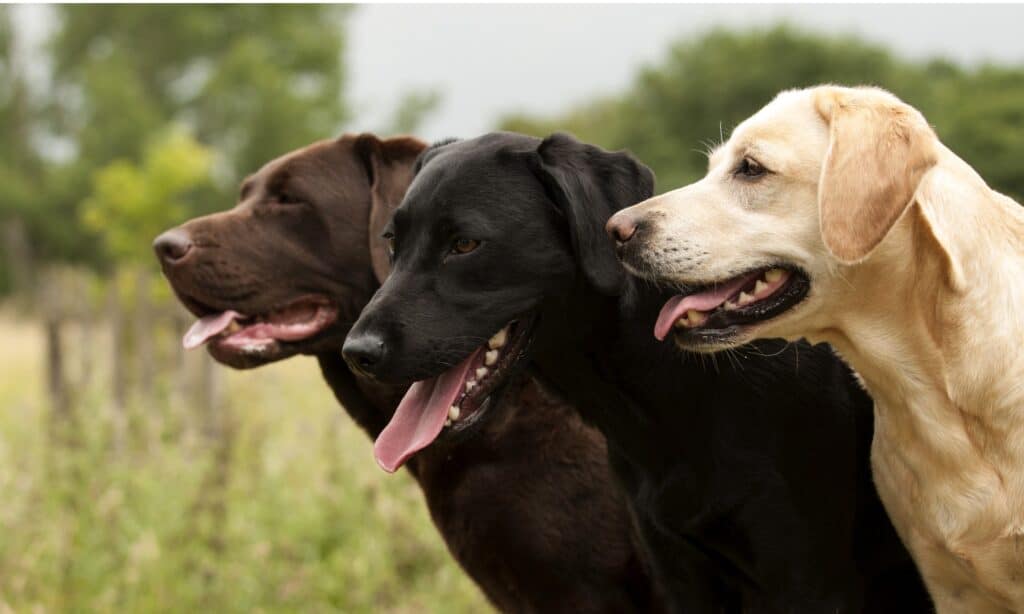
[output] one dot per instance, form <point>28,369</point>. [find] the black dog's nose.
<point>363,351</point>
<point>621,227</point>
<point>172,245</point>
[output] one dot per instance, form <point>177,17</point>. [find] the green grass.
<point>284,512</point>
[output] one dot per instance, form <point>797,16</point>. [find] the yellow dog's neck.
<point>933,322</point>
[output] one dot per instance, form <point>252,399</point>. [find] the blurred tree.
<point>249,81</point>
<point>130,200</point>
<point>20,167</point>
<point>252,80</point>
<point>690,101</point>
<point>412,109</point>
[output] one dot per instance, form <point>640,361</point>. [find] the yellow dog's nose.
<point>621,227</point>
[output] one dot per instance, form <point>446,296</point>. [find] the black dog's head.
<point>288,269</point>
<point>490,229</point>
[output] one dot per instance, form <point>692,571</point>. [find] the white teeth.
<point>490,358</point>
<point>773,275</point>
<point>471,384</point>
<point>453,413</point>
<point>691,318</point>
<point>760,287</point>
<point>745,299</point>
<point>481,372</point>
<point>729,305</point>
<point>498,340</point>
<point>448,422</point>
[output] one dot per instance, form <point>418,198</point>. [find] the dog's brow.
<point>243,192</point>
<point>398,218</point>
<point>279,178</point>
<point>715,154</point>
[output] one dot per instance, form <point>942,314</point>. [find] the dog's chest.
<point>959,509</point>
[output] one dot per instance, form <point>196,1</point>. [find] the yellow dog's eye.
<point>389,243</point>
<point>464,246</point>
<point>750,168</point>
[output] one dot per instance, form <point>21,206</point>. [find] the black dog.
<point>748,477</point>
<point>287,271</point>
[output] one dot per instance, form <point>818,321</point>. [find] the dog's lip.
<point>475,403</point>
<point>266,332</point>
<point>456,400</point>
<point>481,398</point>
<point>727,319</point>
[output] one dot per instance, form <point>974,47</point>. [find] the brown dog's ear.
<point>879,150</point>
<point>588,185</point>
<point>389,165</point>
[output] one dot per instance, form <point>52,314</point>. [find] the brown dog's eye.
<point>750,169</point>
<point>287,198</point>
<point>464,246</point>
<point>389,243</point>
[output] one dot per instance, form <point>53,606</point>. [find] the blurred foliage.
<point>250,82</point>
<point>412,109</point>
<point>254,81</point>
<point>20,167</point>
<point>130,200</point>
<point>689,101</point>
<point>305,521</point>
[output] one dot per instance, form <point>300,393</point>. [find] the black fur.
<point>747,473</point>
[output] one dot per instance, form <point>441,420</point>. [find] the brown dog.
<point>525,502</point>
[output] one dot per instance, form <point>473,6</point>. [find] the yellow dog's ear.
<point>879,150</point>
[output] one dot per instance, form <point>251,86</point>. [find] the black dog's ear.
<point>588,185</point>
<point>390,168</point>
<point>432,151</point>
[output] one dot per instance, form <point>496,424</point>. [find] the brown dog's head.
<point>289,268</point>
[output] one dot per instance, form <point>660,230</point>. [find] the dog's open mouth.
<point>256,334</point>
<point>454,400</point>
<point>713,312</point>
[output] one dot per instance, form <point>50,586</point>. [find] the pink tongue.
<point>207,327</point>
<point>702,301</point>
<point>420,416</point>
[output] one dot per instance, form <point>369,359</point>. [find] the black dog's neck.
<point>587,346</point>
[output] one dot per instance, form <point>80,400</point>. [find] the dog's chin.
<point>711,316</point>
<point>273,350</point>
<point>246,338</point>
<point>257,357</point>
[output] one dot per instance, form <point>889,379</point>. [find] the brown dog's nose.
<point>172,245</point>
<point>621,227</point>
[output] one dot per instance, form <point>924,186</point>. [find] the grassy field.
<point>287,512</point>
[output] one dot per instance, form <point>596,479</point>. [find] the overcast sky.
<point>491,60</point>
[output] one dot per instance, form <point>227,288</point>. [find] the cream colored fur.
<point>917,279</point>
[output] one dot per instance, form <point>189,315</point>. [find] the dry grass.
<point>284,511</point>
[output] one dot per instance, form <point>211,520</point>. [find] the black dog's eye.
<point>389,243</point>
<point>750,169</point>
<point>464,246</point>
